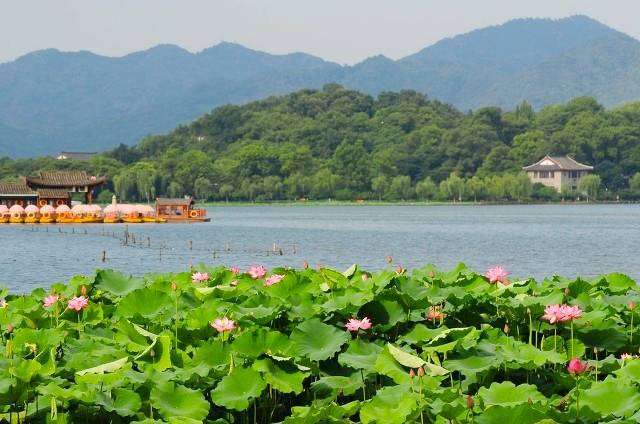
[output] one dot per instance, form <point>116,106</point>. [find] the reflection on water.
<point>530,240</point>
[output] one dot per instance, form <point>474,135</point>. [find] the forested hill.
<point>344,144</point>
<point>52,100</point>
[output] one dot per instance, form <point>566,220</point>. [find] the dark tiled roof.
<point>53,193</point>
<point>163,201</point>
<point>76,155</point>
<point>16,189</point>
<point>560,163</point>
<point>64,179</point>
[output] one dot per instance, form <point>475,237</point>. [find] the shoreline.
<point>409,203</point>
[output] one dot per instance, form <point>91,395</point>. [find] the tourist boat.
<point>129,214</point>
<point>92,214</point>
<point>47,214</point>
<point>149,214</point>
<point>16,214</point>
<point>111,215</point>
<point>64,215</point>
<point>180,210</point>
<point>32,214</point>
<point>4,214</point>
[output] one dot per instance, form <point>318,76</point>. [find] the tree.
<point>175,189</point>
<point>426,189</point>
<point>379,185</point>
<point>589,185</point>
<point>634,182</point>
<point>476,188</point>
<point>226,190</point>
<point>203,188</point>
<point>400,188</point>
<point>104,197</point>
<point>453,187</point>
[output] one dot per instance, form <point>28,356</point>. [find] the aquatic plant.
<point>320,345</point>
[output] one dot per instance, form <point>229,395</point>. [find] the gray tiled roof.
<point>560,163</point>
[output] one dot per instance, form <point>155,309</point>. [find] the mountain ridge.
<point>57,100</point>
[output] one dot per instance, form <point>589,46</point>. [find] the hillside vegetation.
<point>342,144</point>
<point>52,100</point>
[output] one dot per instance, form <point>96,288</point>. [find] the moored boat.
<point>64,215</point>
<point>180,210</point>
<point>4,214</point>
<point>47,214</point>
<point>111,215</point>
<point>16,214</point>
<point>32,214</point>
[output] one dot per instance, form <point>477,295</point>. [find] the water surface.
<point>530,240</point>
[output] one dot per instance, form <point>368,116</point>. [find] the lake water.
<point>530,240</point>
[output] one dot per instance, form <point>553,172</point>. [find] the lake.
<point>530,240</point>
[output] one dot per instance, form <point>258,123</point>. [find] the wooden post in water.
<point>104,255</point>
<point>190,244</point>
<point>148,241</point>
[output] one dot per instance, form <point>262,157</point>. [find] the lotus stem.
<point>631,335</point>
<point>364,385</point>
<point>572,340</point>
<point>577,399</point>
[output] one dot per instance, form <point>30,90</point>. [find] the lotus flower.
<point>50,300</point>
<point>576,366</point>
<point>273,279</point>
<point>561,313</point>
<point>435,312</point>
<point>497,274</point>
<point>223,325</point>
<point>78,303</point>
<point>9,328</point>
<point>257,271</point>
<point>626,357</point>
<point>234,269</point>
<point>199,277</point>
<point>3,304</point>
<point>356,324</point>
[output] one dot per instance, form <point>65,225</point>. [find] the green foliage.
<point>145,350</point>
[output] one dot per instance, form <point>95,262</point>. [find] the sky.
<point>343,31</point>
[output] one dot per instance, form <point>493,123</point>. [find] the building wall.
<point>559,179</point>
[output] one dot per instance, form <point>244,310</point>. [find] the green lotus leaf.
<point>360,355</point>
<point>390,405</point>
<point>405,358</point>
<point>316,340</point>
<point>107,367</point>
<point>387,365</point>
<point>472,364</point>
<point>257,342</point>
<point>117,283</point>
<point>236,389</point>
<point>123,402</point>
<point>25,369</point>
<point>612,397</point>
<point>508,394</point>
<point>521,414</point>
<point>630,370</point>
<point>42,338</point>
<point>176,400</point>
<point>335,384</point>
<point>620,283</point>
<point>145,302</point>
<point>213,353</point>
<point>283,376</point>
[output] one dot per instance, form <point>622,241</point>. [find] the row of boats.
<point>78,214</point>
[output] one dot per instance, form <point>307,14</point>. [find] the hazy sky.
<point>345,31</point>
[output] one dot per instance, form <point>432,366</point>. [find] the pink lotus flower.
<point>234,269</point>
<point>626,356</point>
<point>223,324</point>
<point>576,366</point>
<point>273,279</point>
<point>257,271</point>
<point>497,274</point>
<point>356,324</point>
<point>561,313</point>
<point>78,303</point>
<point>435,312</point>
<point>50,300</point>
<point>199,277</point>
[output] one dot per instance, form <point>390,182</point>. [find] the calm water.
<point>530,240</point>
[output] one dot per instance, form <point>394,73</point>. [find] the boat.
<point>16,214</point>
<point>180,210</point>
<point>64,215</point>
<point>47,214</point>
<point>111,215</point>
<point>4,214</point>
<point>129,214</point>
<point>32,214</point>
<point>92,215</point>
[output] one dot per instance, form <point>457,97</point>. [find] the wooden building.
<point>53,185</point>
<point>180,209</point>
<point>559,172</point>
<point>17,194</point>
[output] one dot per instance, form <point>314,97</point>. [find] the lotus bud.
<point>9,328</point>
<point>432,274</point>
<point>412,374</point>
<point>506,328</point>
<point>632,305</point>
<point>364,277</point>
<point>305,265</point>
<point>389,259</point>
<point>152,353</point>
<point>83,290</point>
<point>420,372</point>
<point>470,402</point>
<point>399,269</point>
<point>174,286</point>
<point>567,292</point>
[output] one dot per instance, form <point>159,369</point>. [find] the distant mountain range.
<point>52,100</point>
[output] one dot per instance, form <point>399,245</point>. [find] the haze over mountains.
<point>52,101</point>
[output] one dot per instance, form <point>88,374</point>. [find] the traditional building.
<point>54,184</point>
<point>17,194</point>
<point>558,172</point>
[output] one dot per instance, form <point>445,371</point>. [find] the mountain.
<point>52,100</point>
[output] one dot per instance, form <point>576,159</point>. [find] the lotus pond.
<point>220,345</point>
